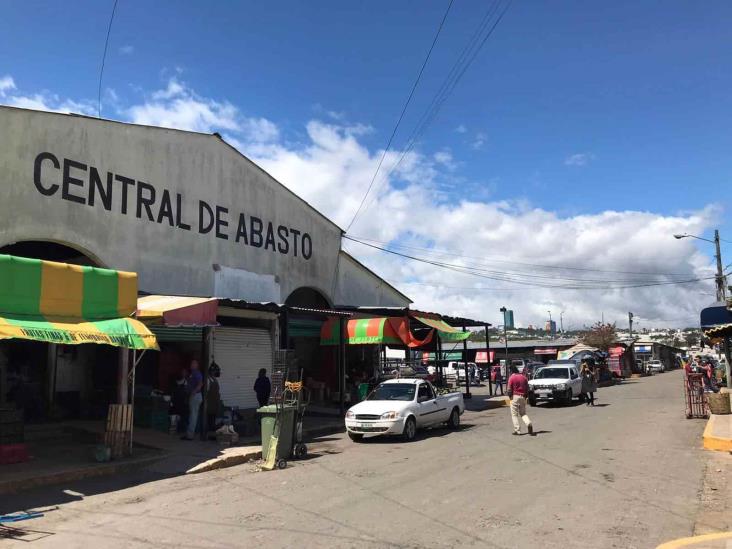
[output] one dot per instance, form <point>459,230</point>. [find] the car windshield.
<point>546,373</point>
<point>393,391</point>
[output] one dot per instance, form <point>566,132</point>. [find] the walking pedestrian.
<point>497,380</point>
<point>589,384</point>
<point>518,390</point>
<point>195,384</point>
<point>263,387</point>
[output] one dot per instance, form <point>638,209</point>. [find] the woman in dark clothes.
<point>263,388</point>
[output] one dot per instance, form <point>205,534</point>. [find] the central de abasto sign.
<point>83,184</point>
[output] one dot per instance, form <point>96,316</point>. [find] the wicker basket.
<point>718,403</point>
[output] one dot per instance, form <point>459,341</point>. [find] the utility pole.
<point>561,323</point>
<point>721,292</point>
<point>505,338</point>
<point>630,324</point>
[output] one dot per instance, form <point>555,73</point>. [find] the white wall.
<point>172,253</point>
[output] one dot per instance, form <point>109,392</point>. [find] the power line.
<point>104,57</point>
<point>592,284</point>
<point>401,115</point>
<point>513,276</point>
<point>457,71</point>
<point>512,262</point>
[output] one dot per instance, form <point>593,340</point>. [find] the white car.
<point>400,407</point>
<point>656,366</point>
<point>559,381</point>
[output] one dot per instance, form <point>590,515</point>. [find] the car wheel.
<point>355,437</point>
<point>454,421</point>
<point>410,429</point>
<point>532,401</point>
<point>568,397</point>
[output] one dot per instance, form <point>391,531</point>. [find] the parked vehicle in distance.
<point>520,363</point>
<point>401,407</point>
<point>460,368</point>
<point>531,368</point>
<point>656,365</point>
<point>558,381</point>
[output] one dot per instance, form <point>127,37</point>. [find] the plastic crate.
<point>13,453</point>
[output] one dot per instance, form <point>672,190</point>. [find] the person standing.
<point>518,390</point>
<point>589,385</point>
<point>263,388</point>
<point>497,381</point>
<point>213,396</point>
<point>195,385</point>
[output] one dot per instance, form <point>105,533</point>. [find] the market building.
<point>192,217</point>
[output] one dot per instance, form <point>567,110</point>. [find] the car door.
<point>428,411</point>
<point>575,381</point>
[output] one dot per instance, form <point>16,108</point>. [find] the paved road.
<point>627,473</point>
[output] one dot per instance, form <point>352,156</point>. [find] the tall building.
<point>551,327</point>
<point>508,319</point>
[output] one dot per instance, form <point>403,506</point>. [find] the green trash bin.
<point>282,429</point>
<point>363,391</point>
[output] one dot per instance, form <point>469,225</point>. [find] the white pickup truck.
<point>400,407</point>
<point>559,381</point>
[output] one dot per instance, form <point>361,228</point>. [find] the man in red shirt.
<point>518,390</point>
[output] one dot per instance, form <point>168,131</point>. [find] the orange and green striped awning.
<point>372,331</point>
<point>69,304</point>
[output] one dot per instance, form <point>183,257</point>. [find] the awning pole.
<point>135,362</point>
<point>123,371</point>
<point>205,363</point>
<point>727,366</point>
<point>342,362</point>
<point>467,394</point>
<point>488,359</point>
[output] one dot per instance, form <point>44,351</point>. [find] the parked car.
<point>520,363</point>
<point>531,368</point>
<point>558,381</point>
<point>400,407</point>
<point>656,365</point>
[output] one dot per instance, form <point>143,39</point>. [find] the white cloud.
<point>6,84</point>
<point>127,49</point>
<point>506,240</point>
<point>461,128</point>
<point>579,159</point>
<point>479,140</point>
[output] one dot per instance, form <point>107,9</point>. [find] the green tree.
<point>601,336</point>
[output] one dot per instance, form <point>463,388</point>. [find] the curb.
<point>224,462</point>
<point>711,442</point>
<point>20,485</point>
<point>695,541</point>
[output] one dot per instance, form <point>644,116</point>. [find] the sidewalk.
<point>718,433</point>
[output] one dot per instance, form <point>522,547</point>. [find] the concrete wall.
<point>355,281</point>
<point>185,211</point>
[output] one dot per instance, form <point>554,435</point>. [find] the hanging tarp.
<point>178,311</point>
<point>716,321</point>
<point>372,331</point>
<point>447,332</point>
<point>69,304</point>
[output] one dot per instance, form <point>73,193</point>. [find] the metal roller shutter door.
<point>241,352</point>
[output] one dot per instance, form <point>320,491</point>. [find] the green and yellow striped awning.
<point>447,332</point>
<point>69,304</point>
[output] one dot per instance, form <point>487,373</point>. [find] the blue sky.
<point>572,107</point>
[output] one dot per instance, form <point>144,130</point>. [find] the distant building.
<point>508,319</point>
<point>551,327</point>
